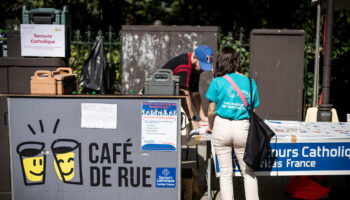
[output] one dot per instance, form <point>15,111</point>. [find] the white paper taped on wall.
<point>95,115</point>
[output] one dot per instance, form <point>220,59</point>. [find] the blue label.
<point>311,156</point>
<point>306,157</point>
<point>158,147</point>
<point>165,177</point>
<point>159,109</point>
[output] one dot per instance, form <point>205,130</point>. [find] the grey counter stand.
<point>95,147</point>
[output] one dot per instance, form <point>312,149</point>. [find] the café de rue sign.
<point>43,40</point>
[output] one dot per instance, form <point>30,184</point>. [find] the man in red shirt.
<point>188,67</point>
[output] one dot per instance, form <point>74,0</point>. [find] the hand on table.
<point>209,131</point>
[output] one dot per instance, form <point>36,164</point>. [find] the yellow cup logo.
<point>34,168</point>
<point>32,162</point>
<point>65,162</point>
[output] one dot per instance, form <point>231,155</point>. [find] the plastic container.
<point>162,82</point>
<point>61,81</point>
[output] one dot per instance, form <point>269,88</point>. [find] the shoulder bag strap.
<point>251,95</point>
<point>239,92</point>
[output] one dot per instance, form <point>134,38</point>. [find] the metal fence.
<point>113,40</point>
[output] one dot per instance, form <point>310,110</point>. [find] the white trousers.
<point>227,134</point>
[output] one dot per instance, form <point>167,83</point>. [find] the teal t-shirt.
<point>228,104</point>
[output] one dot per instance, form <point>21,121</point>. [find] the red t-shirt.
<point>181,66</point>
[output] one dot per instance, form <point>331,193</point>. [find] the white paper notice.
<point>43,40</point>
<point>94,115</point>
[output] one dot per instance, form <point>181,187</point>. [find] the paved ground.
<point>270,188</point>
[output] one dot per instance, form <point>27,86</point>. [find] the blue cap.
<point>205,56</point>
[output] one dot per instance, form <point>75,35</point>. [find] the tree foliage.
<point>230,16</point>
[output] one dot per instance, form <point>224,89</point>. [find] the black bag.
<point>96,72</point>
<point>258,142</point>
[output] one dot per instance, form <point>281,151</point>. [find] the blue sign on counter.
<point>312,157</point>
<point>306,158</point>
<point>165,177</point>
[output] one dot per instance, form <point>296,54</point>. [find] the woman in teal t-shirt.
<point>229,122</point>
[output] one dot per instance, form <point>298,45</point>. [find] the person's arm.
<point>211,115</point>
<point>187,105</point>
<point>197,103</point>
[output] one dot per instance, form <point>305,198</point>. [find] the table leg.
<point>209,170</point>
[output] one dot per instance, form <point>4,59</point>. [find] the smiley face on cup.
<point>64,165</point>
<point>33,162</point>
<point>67,160</point>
